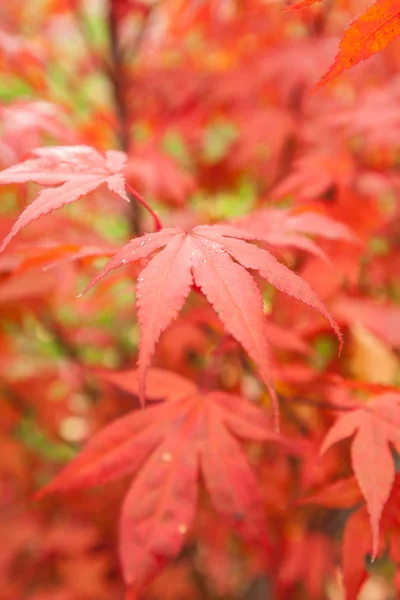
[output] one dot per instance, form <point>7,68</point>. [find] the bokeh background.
<point>212,102</point>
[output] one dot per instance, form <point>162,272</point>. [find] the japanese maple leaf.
<point>167,446</point>
<point>370,33</point>
<point>357,539</point>
<point>215,258</point>
<point>357,542</point>
<point>286,228</point>
<point>374,426</point>
<point>79,170</point>
<point>317,173</point>
<point>355,547</point>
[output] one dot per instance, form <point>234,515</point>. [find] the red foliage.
<point>240,184</point>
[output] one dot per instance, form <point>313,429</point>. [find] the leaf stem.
<point>147,206</point>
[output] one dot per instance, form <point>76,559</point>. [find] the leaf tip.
<point>324,447</point>
<point>40,494</point>
<point>4,244</point>
<point>375,546</point>
<point>88,287</point>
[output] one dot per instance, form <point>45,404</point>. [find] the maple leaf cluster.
<point>200,295</point>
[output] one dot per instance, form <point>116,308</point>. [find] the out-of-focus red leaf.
<point>344,493</point>
<point>166,446</point>
<point>288,228</point>
<point>157,175</point>
<point>357,544</point>
<point>374,425</point>
<point>161,384</point>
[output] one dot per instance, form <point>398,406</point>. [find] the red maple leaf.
<point>375,425</point>
<point>357,543</point>
<point>286,228</point>
<point>216,259</point>
<point>355,547</point>
<point>317,173</point>
<point>79,170</point>
<point>167,446</point>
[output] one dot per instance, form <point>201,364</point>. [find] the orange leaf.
<point>371,32</point>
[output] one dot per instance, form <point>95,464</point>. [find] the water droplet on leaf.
<point>166,457</point>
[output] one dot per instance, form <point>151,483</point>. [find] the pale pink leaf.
<point>163,286</point>
<point>235,296</point>
<point>136,249</point>
<point>279,276</point>
<point>52,199</point>
<point>80,170</point>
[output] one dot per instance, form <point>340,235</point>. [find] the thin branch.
<point>118,81</point>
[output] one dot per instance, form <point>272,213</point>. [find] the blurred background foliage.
<point>212,102</point>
